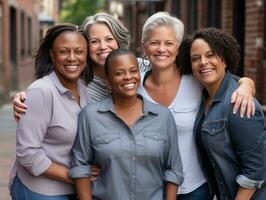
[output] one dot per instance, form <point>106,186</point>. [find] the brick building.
<point>22,24</point>
<point>245,19</point>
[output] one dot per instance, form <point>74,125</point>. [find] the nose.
<point>203,60</point>
<point>102,45</point>
<point>128,75</point>
<point>71,56</point>
<point>161,48</point>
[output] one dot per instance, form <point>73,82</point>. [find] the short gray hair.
<point>119,32</point>
<point>162,19</point>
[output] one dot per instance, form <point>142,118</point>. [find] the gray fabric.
<point>134,161</point>
<point>46,133</point>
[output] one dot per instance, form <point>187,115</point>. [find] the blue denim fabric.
<point>201,193</point>
<point>235,145</point>
<point>20,192</point>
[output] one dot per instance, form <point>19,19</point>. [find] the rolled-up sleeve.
<point>248,138</point>
<point>81,151</point>
<point>31,130</point>
<point>173,166</point>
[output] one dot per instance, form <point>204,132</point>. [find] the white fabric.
<point>184,108</point>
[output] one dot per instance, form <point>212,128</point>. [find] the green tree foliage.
<point>75,11</point>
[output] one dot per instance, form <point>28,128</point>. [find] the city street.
<point>7,148</point>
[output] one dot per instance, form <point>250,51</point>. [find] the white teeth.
<point>72,67</point>
<point>205,71</point>
<point>161,57</point>
<point>129,86</point>
<point>104,55</point>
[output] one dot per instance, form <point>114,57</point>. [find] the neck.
<point>164,77</point>
<point>99,71</point>
<point>213,88</point>
<point>124,103</point>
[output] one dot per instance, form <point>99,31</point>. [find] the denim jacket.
<point>235,146</point>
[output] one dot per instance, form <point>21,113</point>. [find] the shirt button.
<point>134,158</point>
<point>107,140</point>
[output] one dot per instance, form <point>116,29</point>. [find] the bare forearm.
<point>83,188</point>
<point>244,193</point>
<point>58,172</point>
<point>171,190</point>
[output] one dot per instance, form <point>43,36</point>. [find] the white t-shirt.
<point>184,109</point>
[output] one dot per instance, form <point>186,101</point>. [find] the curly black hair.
<point>43,60</point>
<point>221,43</point>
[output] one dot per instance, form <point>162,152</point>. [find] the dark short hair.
<point>43,60</point>
<point>221,43</point>
<point>116,53</point>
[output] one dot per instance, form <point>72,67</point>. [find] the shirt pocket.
<point>106,138</point>
<point>216,130</point>
<point>106,146</point>
<point>154,143</point>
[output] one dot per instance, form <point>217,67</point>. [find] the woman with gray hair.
<point>106,34</point>
<point>166,85</point>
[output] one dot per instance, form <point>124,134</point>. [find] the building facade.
<point>21,28</point>
<point>245,19</point>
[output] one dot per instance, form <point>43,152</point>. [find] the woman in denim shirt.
<point>136,147</point>
<point>231,148</point>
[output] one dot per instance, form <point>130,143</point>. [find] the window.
<point>22,34</point>
<point>29,36</point>
<point>1,36</point>
<point>213,13</point>
<point>192,10</point>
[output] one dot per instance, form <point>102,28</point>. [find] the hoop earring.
<point>145,62</point>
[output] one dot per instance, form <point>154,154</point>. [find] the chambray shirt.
<point>46,133</point>
<point>134,161</point>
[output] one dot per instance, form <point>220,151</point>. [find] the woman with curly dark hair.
<point>231,148</point>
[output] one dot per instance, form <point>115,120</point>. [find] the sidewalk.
<point>7,148</point>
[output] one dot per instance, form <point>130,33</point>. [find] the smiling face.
<point>161,47</point>
<point>207,67</point>
<point>123,75</point>
<point>69,56</point>
<point>101,43</point>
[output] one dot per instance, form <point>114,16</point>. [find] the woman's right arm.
<point>19,107</point>
<point>83,188</point>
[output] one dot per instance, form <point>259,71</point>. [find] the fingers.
<point>244,103</point>
<point>237,99</point>
<point>233,97</point>
<point>18,106</point>
<point>95,172</point>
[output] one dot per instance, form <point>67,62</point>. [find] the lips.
<point>161,57</point>
<point>103,55</point>
<point>71,67</point>
<point>206,71</point>
<point>129,86</point>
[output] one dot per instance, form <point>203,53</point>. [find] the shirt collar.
<point>148,107</point>
<point>220,94</point>
<point>62,89</point>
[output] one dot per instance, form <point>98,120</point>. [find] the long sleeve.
<point>173,165</point>
<point>31,130</point>
<point>81,151</point>
<point>248,138</point>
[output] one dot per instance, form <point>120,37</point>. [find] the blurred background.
<point>24,22</point>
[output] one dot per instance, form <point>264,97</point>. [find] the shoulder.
<point>43,85</point>
<point>155,108</point>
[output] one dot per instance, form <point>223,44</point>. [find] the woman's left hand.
<point>243,99</point>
